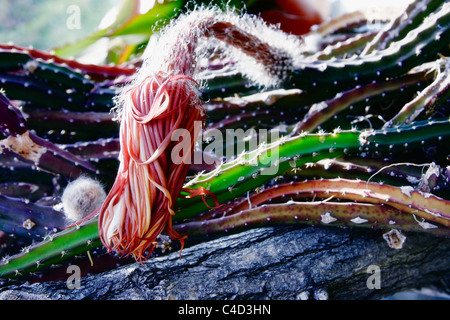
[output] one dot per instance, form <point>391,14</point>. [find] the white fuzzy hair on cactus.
<point>181,45</point>
<point>81,197</point>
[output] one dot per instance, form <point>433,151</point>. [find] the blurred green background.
<point>43,24</point>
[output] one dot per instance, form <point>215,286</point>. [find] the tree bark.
<point>268,263</point>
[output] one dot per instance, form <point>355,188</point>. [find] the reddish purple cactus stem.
<point>377,216</point>
<point>406,199</point>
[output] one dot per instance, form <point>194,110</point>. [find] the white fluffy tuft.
<point>81,197</point>
<point>180,47</point>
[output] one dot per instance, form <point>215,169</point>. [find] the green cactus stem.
<point>38,94</point>
<point>68,127</point>
<point>439,87</point>
<point>33,149</point>
<point>13,57</point>
<point>349,21</point>
<point>399,27</point>
<point>52,249</point>
<point>228,174</point>
<point>95,150</point>
<point>345,48</point>
<point>321,112</point>
<point>421,44</point>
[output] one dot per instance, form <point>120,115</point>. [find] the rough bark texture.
<point>267,263</point>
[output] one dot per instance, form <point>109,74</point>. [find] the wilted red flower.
<point>139,205</point>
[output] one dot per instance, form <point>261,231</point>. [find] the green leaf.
<point>72,49</point>
<point>148,22</point>
<point>127,22</point>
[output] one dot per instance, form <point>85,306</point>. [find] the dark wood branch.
<point>267,263</point>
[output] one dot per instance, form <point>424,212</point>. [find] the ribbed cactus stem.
<point>52,249</point>
<point>327,213</point>
<point>21,217</point>
<point>406,198</point>
<point>322,111</point>
<point>420,44</point>
<point>33,149</point>
<point>347,47</point>
<point>427,97</point>
<point>398,28</point>
<point>14,57</point>
<point>228,174</point>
